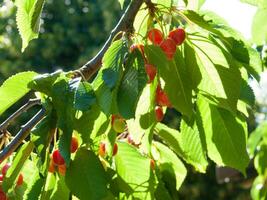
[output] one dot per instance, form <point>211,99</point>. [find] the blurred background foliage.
<point>72,32</point>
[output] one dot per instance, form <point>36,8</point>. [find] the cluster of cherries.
<point>2,176</point>
<point>58,162</point>
<point>168,45</point>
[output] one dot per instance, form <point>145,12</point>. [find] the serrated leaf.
<point>35,187</point>
<point>14,88</point>
<point>247,94</point>
<point>108,79</point>
<point>86,176</point>
<point>226,136</point>
<point>84,97</point>
<point>28,19</point>
<point>36,17</point>
<point>220,76</point>
<point>91,124</point>
<point>62,99</point>
<point>169,163</point>
<point>173,73</point>
<point>44,83</point>
<point>135,170</point>
<point>187,144</point>
<point>132,85</point>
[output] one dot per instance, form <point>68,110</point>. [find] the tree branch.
<point>21,135</point>
<point>124,24</point>
<point>25,107</point>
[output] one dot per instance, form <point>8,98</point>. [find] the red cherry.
<point>178,35</point>
<point>5,168</point>
<point>162,98</point>
<point>3,195</point>
<point>62,169</point>
<point>152,164</point>
<point>1,178</point>
<point>115,149</point>
<point>169,47</point>
<point>57,158</point>
<point>102,149</point>
<point>20,180</point>
<point>155,36</point>
<point>159,113</point>
<point>151,71</point>
<point>74,145</point>
<point>51,167</point>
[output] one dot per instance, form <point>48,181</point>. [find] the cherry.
<point>20,180</point>
<point>151,71</point>
<point>178,35</point>
<point>162,98</point>
<point>118,124</point>
<point>5,168</point>
<point>115,149</point>
<point>3,195</point>
<point>1,178</point>
<point>62,169</point>
<point>159,113</point>
<point>57,158</point>
<point>169,47</point>
<point>155,36</point>
<point>152,164</point>
<point>102,149</point>
<point>51,167</point>
<point>74,145</point>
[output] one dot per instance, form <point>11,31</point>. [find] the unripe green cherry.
<point>119,125</point>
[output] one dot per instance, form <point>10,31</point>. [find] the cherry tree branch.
<point>124,24</point>
<point>24,108</point>
<point>21,135</point>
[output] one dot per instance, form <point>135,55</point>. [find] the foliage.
<point>205,82</point>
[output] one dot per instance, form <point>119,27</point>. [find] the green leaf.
<point>132,85</point>
<point>177,86</point>
<point>260,161</point>
<point>35,187</point>
<point>135,170</point>
<point>84,97</point>
<point>91,124</point>
<point>61,191</point>
<point>36,17</point>
<point>44,83</point>
<point>226,136</point>
<point>247,94</point>
<point>62,99</point>
<point>108,79</point>
<point>17,164</point>
<point>121,3</point>
<point>14,88</point>
<point>28,19</point>
<point>259,27</point>
<point>86,176</point>
<point>255,137</point>
<point>259,188</point>
<point>42,133</point>
<point>169,163</point>
<point>220,76</point>
<point>187,144</point>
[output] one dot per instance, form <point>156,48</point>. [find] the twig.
<point>11,118</point>
<point>21,135</point>
<point>124,24</point>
